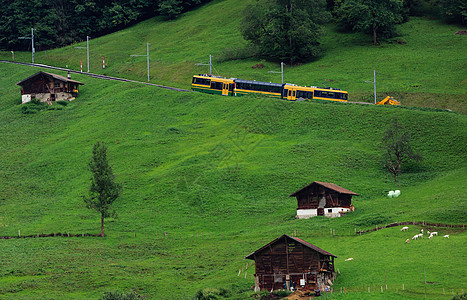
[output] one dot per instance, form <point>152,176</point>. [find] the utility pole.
<point>208,64</point>
<point>374,82</point>
<point>32,42</point>
<point>87,49</point>
<point>147,56</point>
<point>282,72</point>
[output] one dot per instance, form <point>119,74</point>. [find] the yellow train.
<point>238,87</point>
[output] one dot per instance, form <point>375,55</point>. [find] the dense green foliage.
<point>285,30</point>
<point>376,17</point>
<point>58,22</point>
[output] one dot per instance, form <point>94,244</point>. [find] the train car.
<point>238,87</point>
<point>245,87</point>
<point>213,85</point>
<point>294,92</point>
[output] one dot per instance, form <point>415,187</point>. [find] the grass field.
<point>424,66</point>
<point>206,179</point>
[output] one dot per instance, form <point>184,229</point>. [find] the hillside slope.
<point>206,181</point>
<point>424,66</point>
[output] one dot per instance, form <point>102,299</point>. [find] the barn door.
<point>320,211</point>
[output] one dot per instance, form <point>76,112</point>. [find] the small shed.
<point>290,261</point>
<point>323,199</point>
<point>48,87</point>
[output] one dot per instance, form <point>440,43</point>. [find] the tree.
<point>397,149</point>
<point>454,11</point>
<point>104,190</point>
<point>376,17</point>
<point>285,30</point>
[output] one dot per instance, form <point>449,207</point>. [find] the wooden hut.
<point>289,261</point>
<point>48,87</point>
<point>323,199</point>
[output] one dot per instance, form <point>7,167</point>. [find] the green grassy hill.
<point>424,66</point>
<point>214,174</point>
<point>207,178</point>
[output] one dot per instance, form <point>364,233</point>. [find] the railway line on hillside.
<point>98,76</point>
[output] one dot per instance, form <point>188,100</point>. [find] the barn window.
<point>330,210</point>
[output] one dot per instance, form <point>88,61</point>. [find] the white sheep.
<point>421,230</point>
<point>351,258</point>
<point>430,237</point>
<point>407,241</point>
<point>415,237</point>
<point>434,233</point>
<point>405,228</point>
<point>446,236</point>
<point>420,235</point>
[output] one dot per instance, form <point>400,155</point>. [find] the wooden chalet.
<point>289,261</point>
<point>323,199</point>
<point>48,87</point>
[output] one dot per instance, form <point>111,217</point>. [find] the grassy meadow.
<point>425,66</point>
<point>206,179</point>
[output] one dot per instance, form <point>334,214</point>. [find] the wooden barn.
<point>291,262</point>
<point>323,199</point>
<point>48,87</point>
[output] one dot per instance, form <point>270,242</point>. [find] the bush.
<point>211,294</point>
<point>116,295</point>
<point>460,297</point>
<point>33,107</point>
<point>62,102</point>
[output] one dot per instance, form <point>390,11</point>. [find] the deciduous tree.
<point>285,30</point>
<point>397,149</point>
<point>104,190</point>
<point>376,17</point>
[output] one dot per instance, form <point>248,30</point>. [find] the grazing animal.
<point>434,233</point>
<point>430,237</point>
<point>428,232</point>
<point>420,235</point>
<point>421,230</point>
<point>407,241</point>
<point>405,228</point>
<point>349,259</point>
<point>446,236</point>
<point>415,237</point>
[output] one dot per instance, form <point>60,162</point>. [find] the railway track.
<point>105,77</point>
<point>98,76</point>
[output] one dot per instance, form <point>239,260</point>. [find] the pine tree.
<point>104,190</point>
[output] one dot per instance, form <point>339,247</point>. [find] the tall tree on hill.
<point>104,190</point>
<point>376,17</point>
<point>285,30</point>
<point>397,149</point>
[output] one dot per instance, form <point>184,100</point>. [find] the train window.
<point>231,87</point>
<point>216,85</point>
<point>309,95</point>
<point>331,95</point>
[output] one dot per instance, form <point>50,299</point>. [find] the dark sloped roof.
<point>58,77</point>
<point>304,243</point>
<point>328,185</point>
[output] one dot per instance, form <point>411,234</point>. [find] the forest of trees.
<point>290,30</point>
<point>282,30</point>
<point>62,22</point>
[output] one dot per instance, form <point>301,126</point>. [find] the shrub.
<point>211,293</point>
<point>116,295</point>
<point>62,102</point>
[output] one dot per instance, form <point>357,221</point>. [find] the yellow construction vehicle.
<point>388,101</point>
